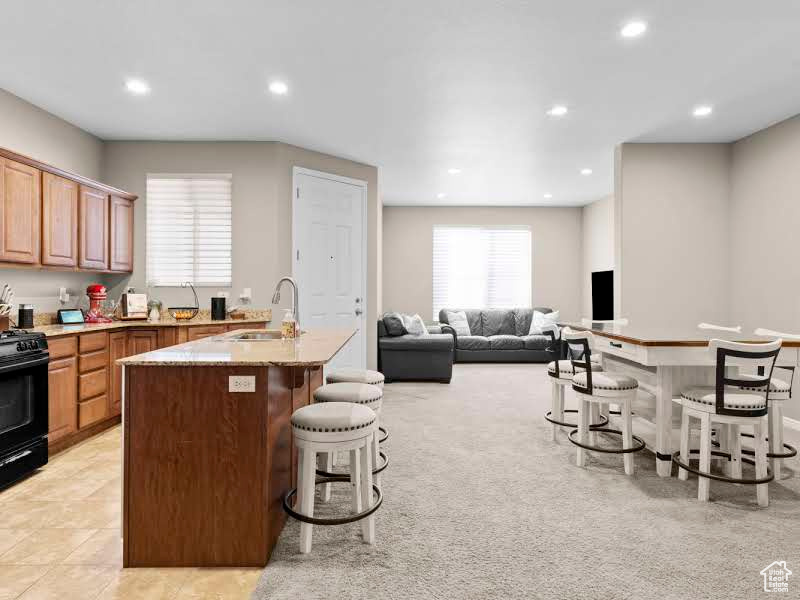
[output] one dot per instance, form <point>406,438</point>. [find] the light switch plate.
<point>242,383</point>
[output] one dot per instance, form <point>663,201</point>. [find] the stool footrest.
<point>549,417</point>
<point>676,458</point>
<point>385,435</point>
<point>637,439</point>
<point>375,471</point>
<point>790,450</point>
<point>336,520</point>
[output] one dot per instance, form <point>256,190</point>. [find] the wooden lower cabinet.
<point>204,331</point>
<point>117,349</point>
<point>63,398</point>
<point>142,340</point>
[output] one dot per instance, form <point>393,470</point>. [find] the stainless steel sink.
<point>256,336</point>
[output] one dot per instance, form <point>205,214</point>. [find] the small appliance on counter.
<point>23,390</point>
<point>218,312</point>
<point>25,316</point>
<point>70,316</point>
<point>134,306</point>
<point>97,296</point>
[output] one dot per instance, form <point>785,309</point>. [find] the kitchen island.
<point>208,449</point>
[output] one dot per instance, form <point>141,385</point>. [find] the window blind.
<point>189,230</point>
<point>478,267</point>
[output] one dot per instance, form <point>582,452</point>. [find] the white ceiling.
<point>416,86</point>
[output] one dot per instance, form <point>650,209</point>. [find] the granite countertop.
<point>312,348</point>
<point>56,330</point>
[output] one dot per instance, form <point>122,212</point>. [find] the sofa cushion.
<point>394,324</point>
<point>536,342</point>
<point>505,342</point>
<point>435,342</point>
<point>524,316</point>
<point>498,322</point>
<point>473,342</point>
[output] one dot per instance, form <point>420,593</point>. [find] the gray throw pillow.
<point>394,324</point>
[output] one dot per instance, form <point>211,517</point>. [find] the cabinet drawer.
<point>197,333</point>
<point>237,326</point>
<point>90,342</point>
<point>93,360</point>
<point>92,384</point>
<point>617,347</point>
<point>92,411</point>
<point>62,347</point>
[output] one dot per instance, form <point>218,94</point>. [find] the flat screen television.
<point>602,295</point>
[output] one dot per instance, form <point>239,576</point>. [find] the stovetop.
<point>21,343</point>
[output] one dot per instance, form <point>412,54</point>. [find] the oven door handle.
<point>28,364</point>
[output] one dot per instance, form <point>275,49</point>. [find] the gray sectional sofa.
<point>501,335</point>
<point>416,358</point>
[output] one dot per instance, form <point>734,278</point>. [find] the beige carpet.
<point>480,503</point>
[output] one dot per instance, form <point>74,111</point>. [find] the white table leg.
<point>664,421</point>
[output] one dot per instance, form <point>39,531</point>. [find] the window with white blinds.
<point>189,230</point>
<point>478,267</point>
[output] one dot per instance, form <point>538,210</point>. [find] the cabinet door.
<point>59,221</point>
<point>93,247</point>
<point>62,398</point>
<point>198,333</point>
<point>20,201</point>
<point>121,234</point>
<point>142,340</point>
<point>117,348</point>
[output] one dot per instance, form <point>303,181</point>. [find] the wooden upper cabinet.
<point>59,221</point>
<point>20,201</point>
<point>121,234</point>
<point>94,229</point>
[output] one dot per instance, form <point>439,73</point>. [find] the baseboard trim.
<point>791,423</point>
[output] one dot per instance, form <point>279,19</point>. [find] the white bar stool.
<point>356,393</point>
<point>596,388</point>
<point>325,428</point>
<point>725,405</point>
<point>352,375</point>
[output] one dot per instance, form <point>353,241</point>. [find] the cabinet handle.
<point>615,345</point>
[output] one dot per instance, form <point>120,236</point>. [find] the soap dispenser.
<point>288,325</point>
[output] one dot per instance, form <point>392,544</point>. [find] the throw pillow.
<point>394,324</point>
<point>458,321</point>
<point>541,319</point>
<point>414,325</point>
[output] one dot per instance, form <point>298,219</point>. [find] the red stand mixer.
<point>97,295</point>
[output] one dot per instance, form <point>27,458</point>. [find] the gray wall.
<point>408,253</point>
<point>671,205</point>
<point>598,246</point>
<point>262,210</point>
<point>27,129</point>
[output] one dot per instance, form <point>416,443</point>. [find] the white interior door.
<point>329,257</point>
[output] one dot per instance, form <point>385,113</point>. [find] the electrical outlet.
<point>242,383</point>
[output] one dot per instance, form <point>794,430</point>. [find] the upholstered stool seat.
<point>605,384</point>
<point>355,376</point>
<point>561,373</point>
<point>566,370</point>
<point>325,428</point>
<point>778,388</point>
<point>705,398</point>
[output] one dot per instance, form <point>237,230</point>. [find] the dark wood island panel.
<point>205,469</point>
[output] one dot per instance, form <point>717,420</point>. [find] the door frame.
<point>296,173</point>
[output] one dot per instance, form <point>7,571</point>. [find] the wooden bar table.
<point>665,360</point>
<point>208,449</point>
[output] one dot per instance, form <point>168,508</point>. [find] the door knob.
<point>359,311</point>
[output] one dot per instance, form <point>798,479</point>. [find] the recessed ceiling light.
<point>278,87</point>
<point>558,110</point>
<point>137,86</point>
<point>453,171</point>
<point>586,171</point>
<point>633,29</point>
<point>441,195</point>
<point>702,111</point>
<point>547,196</point>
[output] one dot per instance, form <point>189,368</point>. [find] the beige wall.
<point>29,130</point>
<point>408,253</point>
<point>672,228</point>
<point>598,246</point>
<point>262,210</point>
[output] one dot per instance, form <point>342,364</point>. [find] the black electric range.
<point>23,404</point>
